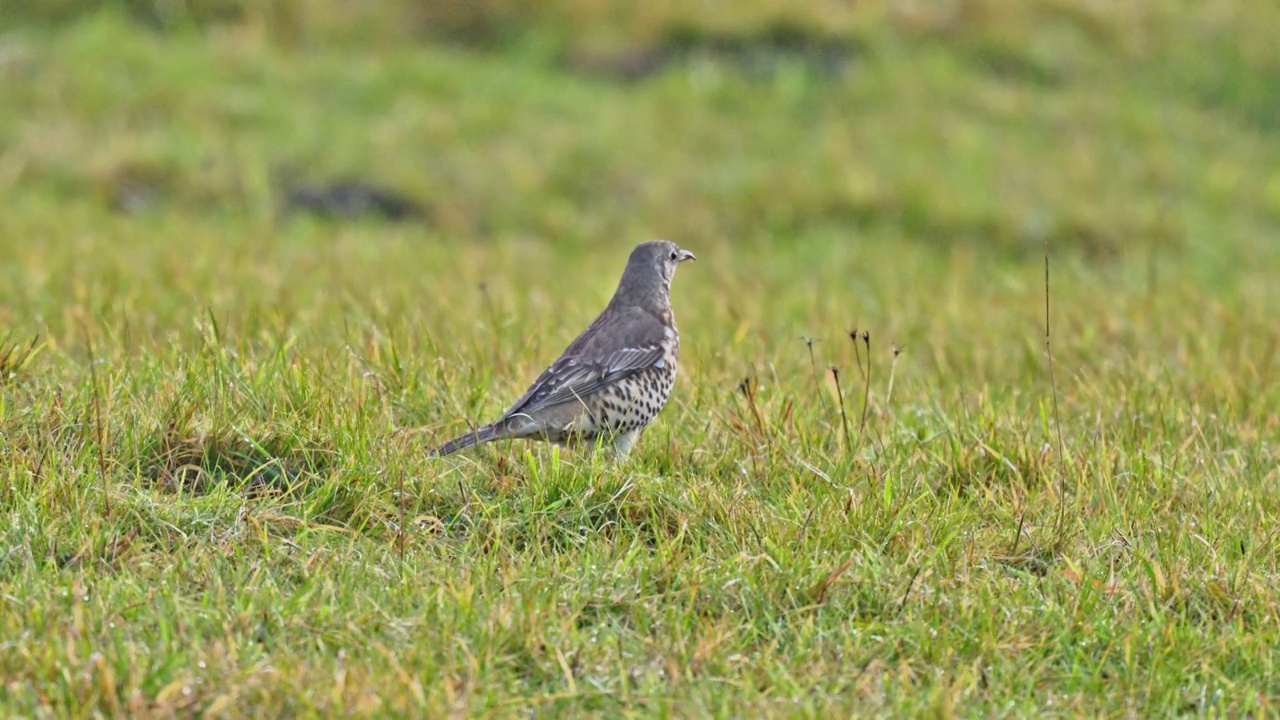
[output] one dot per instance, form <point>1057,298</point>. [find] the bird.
<point>614,378</point>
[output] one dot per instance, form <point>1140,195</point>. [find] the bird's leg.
<point>623,442</point>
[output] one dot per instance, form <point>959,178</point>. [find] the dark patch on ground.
<point>1007,232</point>
<point>756,54</point>
<point>349,199</point>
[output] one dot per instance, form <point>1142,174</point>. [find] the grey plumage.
<point>614,378</point>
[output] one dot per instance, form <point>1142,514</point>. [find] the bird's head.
<point>660,256</point>
<point>650,268</point>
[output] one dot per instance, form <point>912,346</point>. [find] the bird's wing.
<point>619,343</point>
<point>572,378</point>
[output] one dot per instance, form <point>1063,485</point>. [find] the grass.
<point>215,493</point>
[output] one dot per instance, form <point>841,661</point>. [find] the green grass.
<point>215,494</point>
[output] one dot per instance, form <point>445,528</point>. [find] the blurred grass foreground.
<point>258,256</point>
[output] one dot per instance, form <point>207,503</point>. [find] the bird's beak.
<point>686,255</point>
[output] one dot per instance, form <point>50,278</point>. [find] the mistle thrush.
<point>615,377</point>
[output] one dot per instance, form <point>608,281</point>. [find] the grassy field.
<point>215,498</point>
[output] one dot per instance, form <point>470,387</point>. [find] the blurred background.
<point>257,255</point>
<point>1106,129</point>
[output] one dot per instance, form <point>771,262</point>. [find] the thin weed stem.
<point>893,368</point>
<point>844,420</point>
<point>907,593</point>
<point>866,391</point>
<point>749,392</point>
<point>400,534</point>
<point>817,378</point>
<point>857,354</point>
<point>99,432</point>
<point>1057,420</point>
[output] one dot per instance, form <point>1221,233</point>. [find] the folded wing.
<point>575,379</point>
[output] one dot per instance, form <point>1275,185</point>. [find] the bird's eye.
<point>674,254</point>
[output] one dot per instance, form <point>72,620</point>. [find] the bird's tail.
<point>462,442</point>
